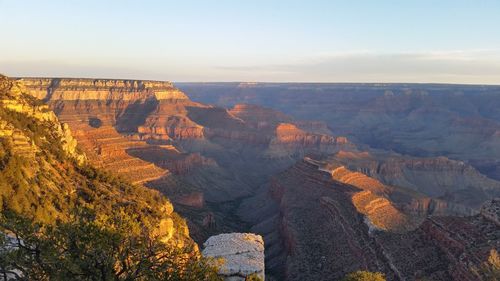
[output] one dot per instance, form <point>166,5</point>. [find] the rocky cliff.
<point>14,100</point>
<point>234,170</point>
<point>441,178</point>
<point>99,110</point>
<point>304,192</point>
<point>443,248</point>
<point>290,139</point>
<point>457,121</point>
<point>374,201</point>
<point>148,110</point>
<point>100,89</point>
<point>125,125</point>
<point>440,248</point>
<point>199,155</point>
<point>43,175</point>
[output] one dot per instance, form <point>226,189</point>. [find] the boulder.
<point>242,254</point>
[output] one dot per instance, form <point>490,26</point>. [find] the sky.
<point>439,41</point>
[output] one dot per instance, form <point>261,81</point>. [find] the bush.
<point>89,248</point>
<point>364,276</point>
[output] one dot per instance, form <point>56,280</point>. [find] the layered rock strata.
<point>53,176</point>
<point>441,248</point>
<point>441,178</point>
<point>457,121</point>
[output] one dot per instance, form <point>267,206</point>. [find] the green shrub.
<point>89,248</point>
<point>364,276</point>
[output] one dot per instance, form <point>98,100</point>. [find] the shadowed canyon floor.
<point>254,168</point>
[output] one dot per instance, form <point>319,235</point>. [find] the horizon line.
<point>258,82</point>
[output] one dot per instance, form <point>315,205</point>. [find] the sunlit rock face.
<point>100,89</point>
<point>258,116</point>
<point>118,123</point>
<point>241,254</point>
<point>361,228</point>
<point>445,179</point>
<point>30,130</point>
<point>290,139</point>
<point>16,102</point>
<point>316,217</point>
<point>110,117</point>
<point>372,201</point>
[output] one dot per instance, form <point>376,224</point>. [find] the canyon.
<point>387,169</point>
<point>44,174</point>
<point>461,122</point>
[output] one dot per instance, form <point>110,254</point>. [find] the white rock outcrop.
<point>242,254</point>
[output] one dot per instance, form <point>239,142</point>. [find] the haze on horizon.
<point>268,41</point>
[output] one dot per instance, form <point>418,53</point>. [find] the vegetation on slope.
<point>90,247</point>
<point>64,219</point>
<point>364,276</point>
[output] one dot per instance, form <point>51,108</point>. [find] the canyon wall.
<point>53,176</point>
<point>253,168</point>
<point>460,122</point>
<point>438,247</point>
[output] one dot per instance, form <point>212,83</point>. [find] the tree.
<point>89,248</point>
<point>364,276</point>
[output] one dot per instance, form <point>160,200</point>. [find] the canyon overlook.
<point>250,140</point>
<point>254,168</point>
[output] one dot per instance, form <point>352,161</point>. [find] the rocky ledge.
<point>242,255</point>
<point>53,89</point>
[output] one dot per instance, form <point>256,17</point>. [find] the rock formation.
<point>14,101</point>
<point>241,255</point>
<point>438,177</point>
<point>253,168</point>
<point>290,139</point>
<point>442,248</point>
<point>52,176</point>
<point>100,89</point>
<point>457,121</point>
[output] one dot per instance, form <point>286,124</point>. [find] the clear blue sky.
<point>255,40</point>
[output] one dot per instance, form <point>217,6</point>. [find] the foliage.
<point>48,206</point>
<point>253,277</point>
<point>364,276</point>
<point>40,132</point>
<point>490,269</point>
<point>90,248</point>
